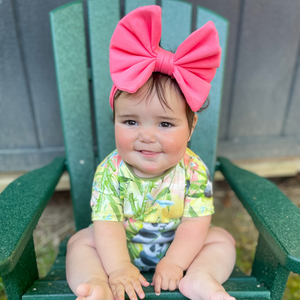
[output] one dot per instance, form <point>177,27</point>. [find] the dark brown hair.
<point>157,82</point>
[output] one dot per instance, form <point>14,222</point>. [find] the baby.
<point>152,197</point>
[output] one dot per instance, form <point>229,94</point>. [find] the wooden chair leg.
<point>268,271</point>
<point>23,275</point>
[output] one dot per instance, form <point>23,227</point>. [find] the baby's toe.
<point>220,295</point>
<point>83,290</point>
<point>94,291</point>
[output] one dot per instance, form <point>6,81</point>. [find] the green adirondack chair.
<point>23,201</point>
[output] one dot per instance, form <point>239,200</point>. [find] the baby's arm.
<point>189,239</point>
<point>111,245</point>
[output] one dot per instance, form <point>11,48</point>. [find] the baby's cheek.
<point>123,138</point>
<point>176,142</point>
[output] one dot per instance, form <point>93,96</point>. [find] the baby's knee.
<point>84,236</point>
<point>221,235</point>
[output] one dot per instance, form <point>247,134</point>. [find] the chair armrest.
<point>274,215</point>
<point>21,205</point>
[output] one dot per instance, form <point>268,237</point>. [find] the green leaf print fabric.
<point>182,191</point>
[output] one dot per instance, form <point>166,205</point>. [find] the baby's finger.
<point>153,280</point>
<point>130,291</point>
<point>165,284</point>
<point>120,291</point>
<point>172,285</point>
<point>157,285</point>
<point>114,291</point>
<point>138,288</point>
<point>143,280</point>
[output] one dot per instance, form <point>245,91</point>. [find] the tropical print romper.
<point>150,208</point>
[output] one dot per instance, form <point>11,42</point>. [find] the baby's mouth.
<point>148,153</point>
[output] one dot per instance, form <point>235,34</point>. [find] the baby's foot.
<point>94,289</point>
<point>202,286</point>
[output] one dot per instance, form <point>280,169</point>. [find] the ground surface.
<point>57,222</point>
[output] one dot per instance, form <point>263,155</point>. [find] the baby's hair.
<point>157,82</point>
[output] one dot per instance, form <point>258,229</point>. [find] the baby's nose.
<point>147,135</point>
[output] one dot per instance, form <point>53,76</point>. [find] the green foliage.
<point>245,255</point>
<point>292,290</point>
<point>45,258</point>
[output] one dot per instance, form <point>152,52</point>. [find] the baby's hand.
<point>127,277</point>
<point>167,276</point>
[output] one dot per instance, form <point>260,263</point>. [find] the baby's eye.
<point>130,122</point>
<point>165,124</point>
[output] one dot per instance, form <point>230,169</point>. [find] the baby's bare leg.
<point>85,274</point>
<point>211,267</point>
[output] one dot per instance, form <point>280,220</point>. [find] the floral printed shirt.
<point>182,191</point>
<point>151,208</point>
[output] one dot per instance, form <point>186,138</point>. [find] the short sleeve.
<point>105,202</point>
<point>198,194</point>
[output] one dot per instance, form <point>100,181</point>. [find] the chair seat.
<point>55,286</point>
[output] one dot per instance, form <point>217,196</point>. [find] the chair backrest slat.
<point>205,137</point>
<point>133,4</point>
<point>103,18</point>
<point>68,35</point>
<point>176,23</point>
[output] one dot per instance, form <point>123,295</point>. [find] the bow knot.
<point>164,62</point>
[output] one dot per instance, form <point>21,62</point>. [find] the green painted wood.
<point>59,262</point>
<point>133,4</point>
<point>60,290</point>
<point>23,275</point>
<point>103,18</point>
<point>49,291</point>
<point>268,271</point>
<point>205,136</point>
<point>33,190</point>
<point>69,47</point>
<point>56,274</point>
<point>274,215</point>
<point>176,23</point>
<point>63,246</point>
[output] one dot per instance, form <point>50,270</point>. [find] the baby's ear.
<point>195,119</point>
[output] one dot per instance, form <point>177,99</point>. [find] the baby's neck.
<point>140,174</point>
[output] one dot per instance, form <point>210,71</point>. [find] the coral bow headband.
<point>135,54</point>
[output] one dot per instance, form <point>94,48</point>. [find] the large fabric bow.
<point>135,54</point>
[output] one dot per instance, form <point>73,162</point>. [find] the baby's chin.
<point>147,172</point>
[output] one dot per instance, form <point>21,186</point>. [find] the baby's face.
<point>149,137</point>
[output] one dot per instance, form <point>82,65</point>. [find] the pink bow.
<point>135,54</point>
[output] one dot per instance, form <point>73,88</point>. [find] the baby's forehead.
<point>166,101</point>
